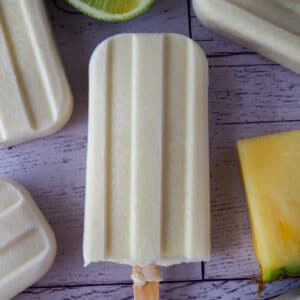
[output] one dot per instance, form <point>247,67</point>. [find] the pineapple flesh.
<point>270,168</point>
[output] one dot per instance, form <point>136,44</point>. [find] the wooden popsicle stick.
<point>149,291</point>
<point>146,282</point>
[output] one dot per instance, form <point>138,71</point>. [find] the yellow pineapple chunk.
<point>271,173</point>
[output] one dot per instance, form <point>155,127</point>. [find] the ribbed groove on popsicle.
<point>108,149</point>
<point>164,142</point>
<point>40,57</point>
<point>133,146</point>
<point>189,150</point>
<point>98,173</point>
<point>20,237</point>
<point>19,102</point>
<point>30,251</point>
<point>284,14</point>
<point>146,145</point>
<point>174,148</point>
<point>10,202</point>
<point>197,220</point>
<point>6,207</point>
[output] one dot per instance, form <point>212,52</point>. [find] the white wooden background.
<point>249,96</point>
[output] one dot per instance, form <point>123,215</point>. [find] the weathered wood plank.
<point>253,94</point>
<point>232,252</point>
<point>238,60</point>
<point>223,290</point>
<point>78,35</point>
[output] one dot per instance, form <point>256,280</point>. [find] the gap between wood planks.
<point>189,18</point>
<point>258,122</point>
<point>130,283</point>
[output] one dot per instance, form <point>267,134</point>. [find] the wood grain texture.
<point>221,290</point>
<point>248,96</point>
<point>243,94</point>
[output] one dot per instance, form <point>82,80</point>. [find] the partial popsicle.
<point>147,189</point>
<point>35,96</point>
<point>272,28</point>
<point>27,243</point>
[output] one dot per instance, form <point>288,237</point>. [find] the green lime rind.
<point>101,15</point>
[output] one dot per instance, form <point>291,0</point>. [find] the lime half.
<point>112,10</point>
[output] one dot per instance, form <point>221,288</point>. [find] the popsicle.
<point>271,174</point>
<point>272,28</point>
<point>27,243</point>
<point>35,95</point>
<point>147,186</point>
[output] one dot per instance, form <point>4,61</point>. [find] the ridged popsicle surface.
<point>147,197</point>
<point>27,244</point>
<point>283,13</point>
<point>35,98</point>
<point>272,28</point>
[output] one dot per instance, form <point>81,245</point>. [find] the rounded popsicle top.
<point>269,27</point>
<point>27,243</point>
<point>123,37</point>
<point>36,99</point>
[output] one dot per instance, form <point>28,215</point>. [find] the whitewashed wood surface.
<point>248,96</point>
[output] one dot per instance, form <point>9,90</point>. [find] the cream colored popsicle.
<point>147,192</point>
<point>35,96</point>
<point>270,27</point>
<point>27,243</point>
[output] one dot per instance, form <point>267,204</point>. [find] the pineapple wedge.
<point>271,173</point>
